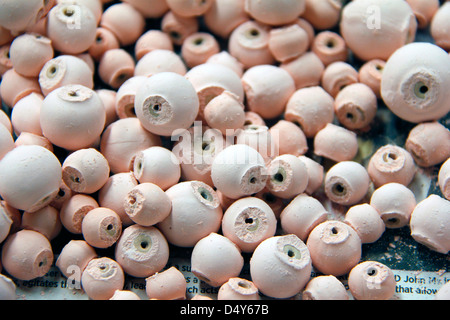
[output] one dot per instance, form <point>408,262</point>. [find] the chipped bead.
<point>169,284</point>
<point>74,210</point>
<point>238,289</point>
<point>329,47</point>
<point>153,39</point>
<point>75,253</point>
<point>315,174</point>
<point>306,70</point>
<point>224,16</point>
<point>15,87</point>
<point>271,13</point>
<point>115,67</point>
<point>177,27</point>
<point>101,227</point>
<point>337,76</point>
<point>104,40</point>
<point>45,221</point>
<point>288,42</point>
<point>371,73</point>
<point>325,287</point>
<point>366,221</point>
<point>336,143</point>
<point>160,60</point>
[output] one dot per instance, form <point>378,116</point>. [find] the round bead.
<point>325,287</point>
<point>291,139</point>
<point>45,221</point>
<point>76,253</point>
<point>224,16</point>
<point>370,73</point>
<point>337,76</point>
<point>444,179</point>
<point>115,67</point>
<point>101,227</point>
<point>306,70</point>
<point>189,8</point>
<point>169,284</point>
<point>125,295</point>
<point>74,210</point>
<point>280,13</point>
<point>152,39</point>
<point>288,42</point>
<point>125,96</point>
<point>104,40</point>
<point>439,26</point>
<point>366,221</point>
<point>238,289</point>
<point>178,27</point>
<point>336,143</point>
<point>322,14</point>
<point>7,288</point>
<point>424,11</point>
<point>160,60</point>
<point>330,47</point>
<point>25,116</point>
<point>315,174</point>
<point>198,47</point>
<point>15,87</point>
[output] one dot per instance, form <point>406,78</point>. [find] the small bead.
<point>125,295</point>
<point>6,223</point>
<point>424,11</point>
<point>224,16</point>
<point>149,8</point>
<point>252,118</point>
<point>315,174</point>
<point>330,47</point>
<point>289,42</point>
<point>336,143</point>
<point>160,60</point>
<point>76,253</point>
<point>125,96</point>
<point>444,179</point>
<point>198,47</point>
<point>177,27</point>
<point>238,289</point>
<point>275,14</point>
<point>337,76</point>
<point>74,210</point>
<point>153,39</point>
<point>366,221</point>
<point>371,73</point>
<point>439,26</point>
<point>189,8</point>
<point>28,138</point>
<point>291,139</point>
<point>15,87</point>
<point>101,227</point>
<point>226,59</point>
<point>6,141</point>
<point>169,284</point>
<point>115,67</point>
<point>108,98</point>
<point>261,139</point>
<point>306,70</point>
<point>7,288</point>
<point>25,116</point>
<point>104,40</point>
<point>322,14</point>
<point>325,287</point>
<point>45,221</point>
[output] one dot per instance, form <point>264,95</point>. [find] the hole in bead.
<point>392,221</point>
<point>175,35</point>
<point>390,156</point>
<point>372,272</point>
<point>109,227</point>
<point>132,200</point>
<point>144,244</point>
<point>349,116</point>
<point>68,12</point>
<point>291,251</point>
<point>421,90</point>
<point>249,220</point>
<point>253,33</point>
<point>339,189</point>
<point>205,194</point>
<point>75,179</point>
<point>198,41</point>
<point>61,193</point>
<point>330,43</point>
<point>278,177</point>
<point>253,180</point>
<point>243,284</point>
<point>334,230</point>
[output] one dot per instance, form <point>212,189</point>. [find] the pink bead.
<point>347,183</point>
<point>189,8</point>
<point>75,253</point>
<point>150,8</point>
<point>125,96</point>
<point>238,289</point>
<point>335,248</point>
<point>391,163</point>
<point>302,215</point>
<point>169,284</point>
<point>371,280</point>
<point>330,47</point>
<point>6,141</point>
<point>104,40</point>
<point>147,204</point>
<point>268,89</point>
<point>101,278</point>
<point>26,114</point>
<point>28,138</point>
<point>366,221</point>
<point>177,27</point>
<point>247,222</point>
<point>325,287</point>
<point>64,70</point>
<point>291,139</point>
<point>394,203</point>
<point>141,251</point>
<point>125,295</point>
<point>113,193</point>
<point>315,174</point>
<point>5,120</point>
<point>6,223</point>
<point>108,98</point>
<point>281,266</point>
<point>337,76</point>
<point>64,194</point>
<point>6,36</point>
<point>439,26</point>
<point>124,21</point>
<point>429,143</point>
<point>260,139</point>
<point>115,67</point>
<point>252,118</point>
<point>215,259</point>
<point>196,212</point>
<point>370,74</point>
<point>5,60</point>
<point>289,42</point>
<point>74,210</point>
<point>198,47</point>
<point>27,254</point>
<point>95,6</point>
<point>14,87</point>
<point>444,179</point>
<point>17,17</point>
<point>336,143</point>
<point>152,40</point>
<point>311,108</point>
<point>424,11</point>
<point>45,221</point>
<point>101,227</point>
<point>272,13</point>
<point>306,70</point>
<point>160,60</point>
<point>226,59</point>
<point>322,14</point>
<point>120,155</point>
<point>224,16</point>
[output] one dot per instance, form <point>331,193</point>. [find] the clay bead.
<point>124,21</point>
<point>268,89</point>
<point>239,170</point>
<point>261,139</point>
<point>439,26</point>
<point>166,102</point>
<point>15,87</point>
<point>215,259</point>
<point>125,96</point>
<point>301,215</point>
<point>71,28</point>
<point>108,97</point>
<point>224,16</point>
<point>337,76</point>
<point>122,139</point>
<point>141,251</point>
<point>247,222</point>
<point>288,42</point>
<point>150,8</point>
<point>371,280</point>
<point>125,295</point>
<point>65,70</point>
<point>85,170</point>
<point>26,113</point>
<point>413,80</point>
<point>160,60</point>
<point>189,8</point>
<point>271,13</point>
<point>74,210</point>
<point>147,204</point>
<point>315,174</point>
<point>198,47</point>
<point>5,60</point>
<point>115,67</point>
<point>371,73</point>
<point>27,254</point>
<point>6,223</point>
<point>330,47</point>
<point>33,186</point>
<point>6,141</point>
<point>226,59</point>
<point>252,118</point>
<point>429,143</point>
<point>424,11</point>
<point>249,44</point>
<point>169,284</point>
<point>152,40</point>
<point>444,179</point>
<point>388,26</point>
<point>45,221</point>
<point>366,221</point>
<point>7,288</point>
<point>391,163</point>
<point>325,287</point>
<point>238,289</point>
<point>17,17</point>
<point>322,14</point>
<point>430,223</point>
<point>196,212</point>
<point>394,203</point>
<point>306,70</point>
<point>14,214</point>
<point>5,120</point>
<point>280,266</point>
<point>335,247</point>
<point>105,40</point>
<point>114,191</point>
<point>64,194</point>
<point>95,6</point>
<point>101,227</point>
<point>291,139</point>
<point>336,143</point>
<point>76,253</point>
<point>28,138</point>
<point>29,53</point>
<point>101,278</point>
<point>347,183</point>
<point>157,165</point>
<point>177,27</point>
<point>312,108</point>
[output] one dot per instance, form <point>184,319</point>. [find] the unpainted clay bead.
<point>95,6</point>
<point>125,96</point>
<point>239,170</point>
<point>306,70</point>
<point>226,59</point>
<point>371,280</point>
<point>101,278</point>
<point>5,223</point>
<point>330,47</point>
<point>64,194</point>
<point>371,73</point>
<point>325,287</point>
<point>45,221</point>
<point>177,27</point>
<point>322,14</point>
<point>115,67</point>
<point>105,40</point>
<point>108,97</point>
<point>6,141</point>
<point>198,47</point>
<point>196,212</point>
<point>252,118</point>
<point>430,223</point>
<point>271,13</point>
<point>224,16</point>
<point>424,11</point>
<point>238,289</point>
<point>101,227</point>
<point>261,139</point>
<point>288,42</point>
<point>169,284</point>
<point>215,259</point>
<point>312,108</point>
<point>32,186</point>
<point>19,17</point>
<point>439,26</point>
<point>160,60</point>
<point>429,143</point>
<point>74,210</point>
<point>5,120</point>
<point>26,114</point>
<point>291,139</point>
<point>280,266</point>
<point>75,253</point>
<point>166,102</point>
<point>336,143</point>
<point>141,251</point>
<point>394,203</point>
<point>7,288</point>
<point>337,76</point>
<point>15,87</point>
<point>189,8</point>
<point>64,70</point>
<point>366,221</point>
<point>316,173</point>
<point>152,39</point>
<point>27,254</point>
<point>150,8</point>
<point>28,138</point>
<point>125,295</point>
<point>5,60</point>
<point>444,179</point>
<point>335,247</point>
<point>247,222</point>
<point>14,214</point>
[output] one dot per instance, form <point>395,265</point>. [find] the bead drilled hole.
<point>421,90</point>
<point>243,284</point>
<point>372,272</point>
<point>205,194</point>
<point>198,41</point>
<point>291,251</point>
<point>334,230</point>
<point>339,189</point>
<point>68,12</point>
